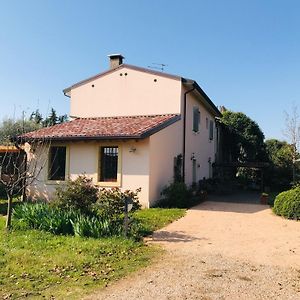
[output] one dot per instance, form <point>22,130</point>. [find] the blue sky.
<point>244,54</point>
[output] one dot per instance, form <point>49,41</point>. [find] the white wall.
<point>164,146</point>
<point>198,143</point>
<point>134,94</point>
<point>83,159</point>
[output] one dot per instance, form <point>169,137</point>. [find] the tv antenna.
<point>158,66</point>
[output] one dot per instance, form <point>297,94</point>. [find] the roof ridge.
<point>126,117</point>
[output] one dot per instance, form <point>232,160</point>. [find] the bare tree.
<point>292,133</point>
<point>20,166</point>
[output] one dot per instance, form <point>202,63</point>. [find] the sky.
<point>244,54</point>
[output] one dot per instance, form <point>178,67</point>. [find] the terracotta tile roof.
<point>134,127</point>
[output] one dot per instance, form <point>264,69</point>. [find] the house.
<point>131,127</point>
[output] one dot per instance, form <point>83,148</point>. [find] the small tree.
<point>292,133</point>
<point>20,166</point>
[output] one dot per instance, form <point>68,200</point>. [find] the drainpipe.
<point>184,132</point>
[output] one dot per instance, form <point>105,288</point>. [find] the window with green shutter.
<point>196,119</point>
<point>211,130</point>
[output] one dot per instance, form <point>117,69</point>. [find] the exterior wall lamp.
<point>132,149</point>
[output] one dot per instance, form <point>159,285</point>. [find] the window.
<point>206,123</point>
<point>211,130</point>
<point>109,164</point>
<point>178,168</point>
<point>196,119</point>
<point>194,170</point>
<point>57,163</point>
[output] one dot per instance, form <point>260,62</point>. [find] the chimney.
<point>115,60</point>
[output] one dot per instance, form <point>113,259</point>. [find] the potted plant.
<point>264,198</point>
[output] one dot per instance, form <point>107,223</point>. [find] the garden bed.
<point>36,263</point>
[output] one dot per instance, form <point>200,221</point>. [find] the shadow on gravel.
<point>173,237</point>
<point>242,202</point>
<point>241,208</point>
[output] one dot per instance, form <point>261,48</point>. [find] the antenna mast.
<point>158,66</point>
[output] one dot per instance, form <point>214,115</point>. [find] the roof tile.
<point>104,128</point>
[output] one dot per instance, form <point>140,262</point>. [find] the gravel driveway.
<point>220,251</point>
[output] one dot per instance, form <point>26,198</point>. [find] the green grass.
<point>37,264</point>
<point>156,218</point>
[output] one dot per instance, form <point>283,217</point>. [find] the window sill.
<point>55,182</point>
<point>108,183</point>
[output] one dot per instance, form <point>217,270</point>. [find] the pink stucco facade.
<point>128,91</point>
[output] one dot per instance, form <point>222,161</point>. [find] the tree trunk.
<point>9,211</point>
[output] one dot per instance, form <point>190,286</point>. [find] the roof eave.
<point>143,135</point>
<point>187,81</point>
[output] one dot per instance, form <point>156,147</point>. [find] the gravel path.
<point>220,251</point>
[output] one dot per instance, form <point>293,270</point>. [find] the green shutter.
<point>211,130</point>
<point>196,119</point>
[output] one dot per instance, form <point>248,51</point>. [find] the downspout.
<point>184,132</point>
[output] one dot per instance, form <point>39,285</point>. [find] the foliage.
<point>111,202</point>
<point>37,264</point>
<point>272,197</point>
<point>41,216</point>
<point>50,120</point>
<point>79,194</point>
<point>175,195</point>
<point>243,140</point>
<point>85,226</point>
<point>287,204</point>
<point>10,128</point>
<point>280,173</point>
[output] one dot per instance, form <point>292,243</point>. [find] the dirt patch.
<point>220,251</point>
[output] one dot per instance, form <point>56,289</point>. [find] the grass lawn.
<point>38,264</point>
<point>155,218</point>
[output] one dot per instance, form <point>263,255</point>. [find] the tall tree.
<point>36,117</point>
<point>244,140</point>
<point>292,133</point>
<point>52,119</point>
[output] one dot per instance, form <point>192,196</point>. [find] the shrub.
<point>175,195</point>
<point>79,194</point>
<point>111,202</point>
<point>287,204</point>
<point>86,226</point>
<point>41,216</point>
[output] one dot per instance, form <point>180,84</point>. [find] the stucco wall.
<point>83,159</point>
<point>164,146</point>
<point>198,143</point>
<point>134,94</point>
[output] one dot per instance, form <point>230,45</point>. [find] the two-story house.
<point>131,127</point>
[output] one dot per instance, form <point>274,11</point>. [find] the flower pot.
<point>264,199</point>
